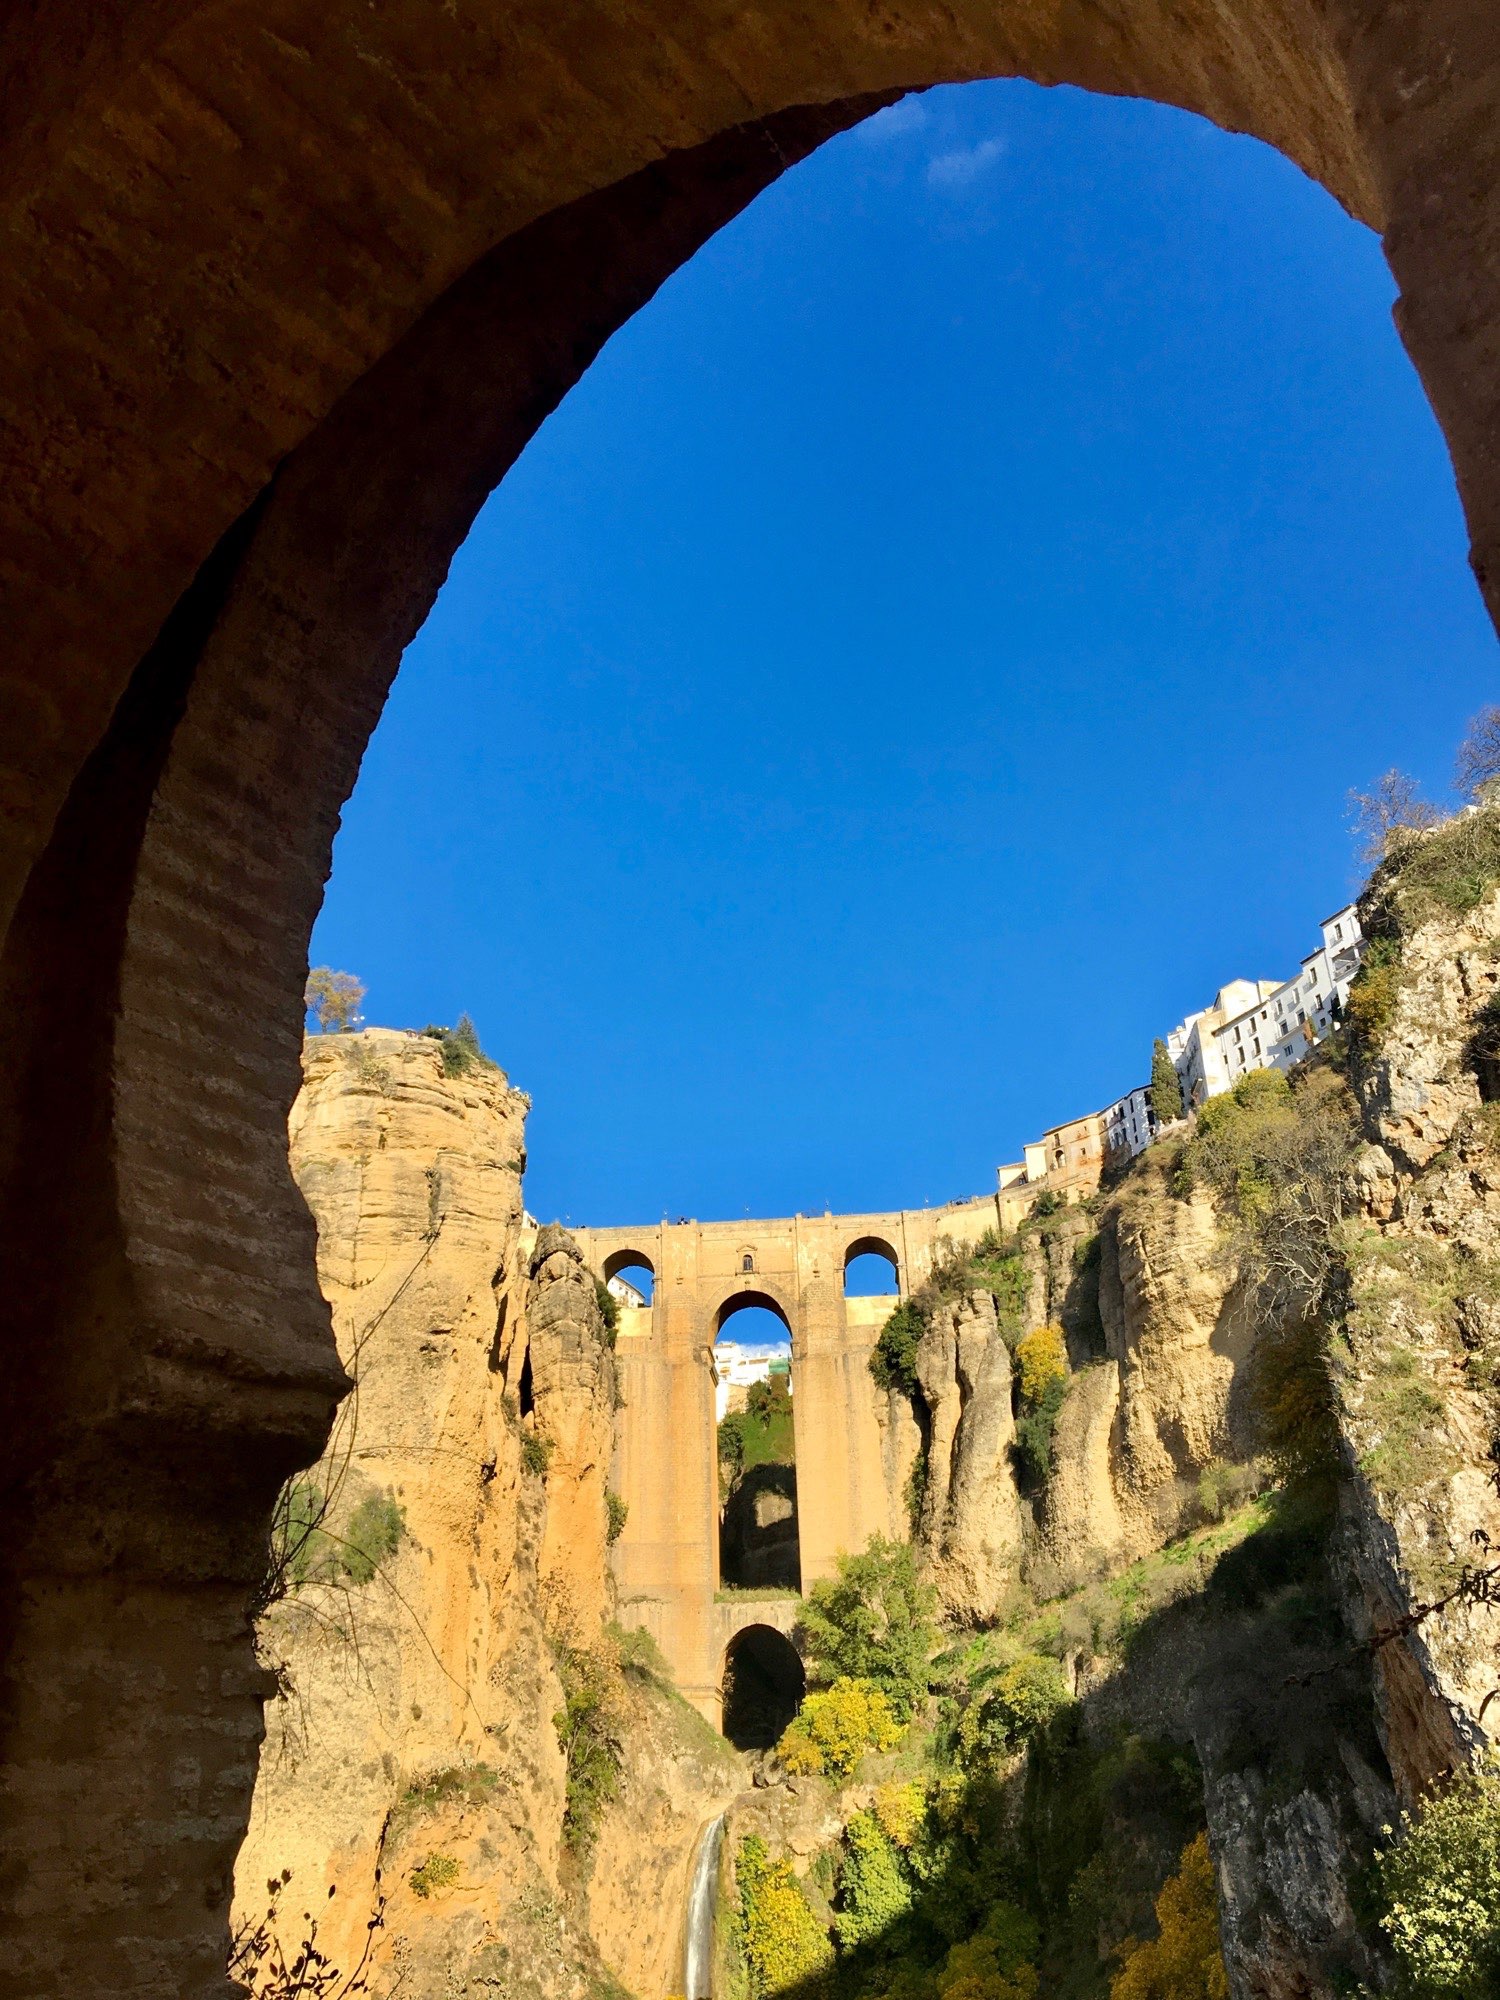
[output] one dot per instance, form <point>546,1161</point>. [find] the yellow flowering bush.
<point>901,1813</point>
<point>783,1942</point>
<point>1041,1360</point>
<point>832,1730</point>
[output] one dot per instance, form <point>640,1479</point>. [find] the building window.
<point>747,1262</point>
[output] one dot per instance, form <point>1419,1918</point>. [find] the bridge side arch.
<point>875,1246</point>
<point>627,1259</point>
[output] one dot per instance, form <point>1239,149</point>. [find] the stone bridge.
<point>666,1462</point>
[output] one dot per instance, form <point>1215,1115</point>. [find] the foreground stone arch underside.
<point>285,290</point>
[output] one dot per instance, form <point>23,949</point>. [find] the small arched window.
<point>747,1262</point>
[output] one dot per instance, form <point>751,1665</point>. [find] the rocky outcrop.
<point>970,1523</point>
<point>1141,1424</point>
<point>1418,1369</point>
<point>571,1374</point>
<point>457,1553</point>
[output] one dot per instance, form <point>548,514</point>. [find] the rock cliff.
<point>970,1520</point>
<point>1417,1367</point>
<point>443,1594</point>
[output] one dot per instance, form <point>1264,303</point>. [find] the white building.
<point>736,1367</point>
<point>1279,1027</point>
<point>1193,1044</point>
<point>626,1293</point>
<point>1129,1124</point>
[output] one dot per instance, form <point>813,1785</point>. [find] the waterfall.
<point>702,1910</point>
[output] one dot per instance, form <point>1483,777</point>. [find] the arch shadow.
<point>764,1680</point>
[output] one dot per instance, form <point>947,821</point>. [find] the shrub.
<point>589,1727</point>
<point>1372,999</point>
<point>460,1047</point>
<point>617,1513</point>
<point>1166,1085</point>
<point>1023,1701</point>
<point>834,1728</point>
<point>536,1452</point>
<point>1293,1401</point>
<point>438,1871</point>
<point>916,1490</point>
<point>783,1942</point>
<point>1042,1373</point>
<point>1041,1360</point>
<point>1223,1487</point>
<point>375,1530</point>
<point>893,1360</point>
<point>1439,1886</point>
<point>455,1784</point>
<point>873,1621</point>
<point>315,1554</point>
<point>875,1891</point>
<point>1451,871</point>
<point>901,1811</point>
<point>609,1311</point>
<point>1184,1961</point>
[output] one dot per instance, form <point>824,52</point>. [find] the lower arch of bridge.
<point>173,778</point>
<point>763,1682</point>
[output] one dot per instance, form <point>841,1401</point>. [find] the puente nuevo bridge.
<point>666,1463</point>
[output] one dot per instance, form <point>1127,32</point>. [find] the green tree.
<point>873,1621</point>
<point>893,1360</point>
<point>1440,1887</point>
<point>332,999</point>
<point>875,1891</point>
<point>1023,1701</point>
<point>1166,1089</point>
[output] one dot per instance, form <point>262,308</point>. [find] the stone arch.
<point>626,1260</point>
<point>263,423</point>
<point>763,1682</point>
<point>766,1295</point>
<point>874,1246</point>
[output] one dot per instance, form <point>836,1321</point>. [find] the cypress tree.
<point>1166,1090</point>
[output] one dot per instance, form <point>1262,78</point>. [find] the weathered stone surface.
<point>414,1713</point>
<point>971,1517</point>
<point>1416,1369</point>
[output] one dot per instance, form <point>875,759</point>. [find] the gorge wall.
<point>446,1575</point>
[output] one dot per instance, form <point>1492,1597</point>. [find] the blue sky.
<point>925,656</point>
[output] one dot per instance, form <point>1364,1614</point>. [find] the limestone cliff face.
<point>970,1522</point>
<point>1418,1367</point>
<point>1147,1288</point>
<point>462,1543</point>
<point>572,1377</point>
<point>1142,1423</point>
